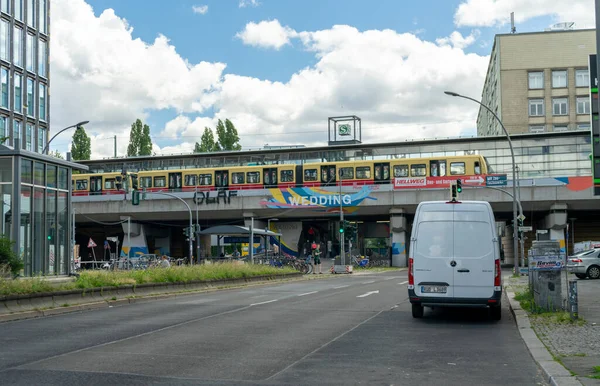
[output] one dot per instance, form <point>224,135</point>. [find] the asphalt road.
<point>348,329</point>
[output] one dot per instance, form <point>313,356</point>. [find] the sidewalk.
<point>566,352</point>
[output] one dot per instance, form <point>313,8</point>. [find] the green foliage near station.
<point>140,142</point>
<point>207,142</point>
<point>81,147</point>
<point>227,138</point>
<point>8,259</point>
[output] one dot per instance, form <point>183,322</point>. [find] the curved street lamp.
<point>514,172</point>
<point>45,151</point>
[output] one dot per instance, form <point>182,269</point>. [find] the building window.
<point>582,78</point>
<point>4,87</point>
<point>536,107</point>
<point>43,24</point>
<point>5,6</point>
<point>559,128</point>
<point>19,10</point>
<point>28,137</point>
<point>18,107</point>
<point>30,53</point>
<point>18,46</point>
<point>16,134</point>
<point>583,126</point>
<point>30,103</point>
<point>31,13</point>
<point>42,45</point>
<point>42,98</point>
<point>4,127</point>
<point>537,129</point>
<point>4,39</point>
<point>583,105</point>
<point>560,106</point>
<point>41,139</point>
<point>536,80</point>
<point>559,79</point>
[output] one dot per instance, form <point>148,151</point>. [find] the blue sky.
<point>255,67</point>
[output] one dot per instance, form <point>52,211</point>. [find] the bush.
<point>8,256</point>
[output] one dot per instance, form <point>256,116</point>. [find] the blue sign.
<point>239,240</point>
<point>496,180</point>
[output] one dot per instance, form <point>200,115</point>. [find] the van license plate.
<point>436,289</point>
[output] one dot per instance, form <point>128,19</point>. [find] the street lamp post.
<point>514,173</point>
<point>45,151</point>
<point>268,237</point>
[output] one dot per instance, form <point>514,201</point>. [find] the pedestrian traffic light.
<point>342,229</point>
<point>459,186</point>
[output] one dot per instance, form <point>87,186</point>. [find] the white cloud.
<point>267,34</point>
<point>456,39</point>
<point>248,3</point>
<point>200,9</point>
<point>104,75</point>
<point>487,13</point>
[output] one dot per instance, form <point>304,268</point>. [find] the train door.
<point>437,168</point>
<point>328,175</point>
<point>95,185</point>
<point>270,177</point>
<point>222,179</point>
<point>299,176</point>
<point>175,181</point>
<point>382,172</point>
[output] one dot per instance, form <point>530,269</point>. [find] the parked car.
<point>585,264</point>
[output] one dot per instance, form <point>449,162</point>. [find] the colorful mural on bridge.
<point>317,199</point>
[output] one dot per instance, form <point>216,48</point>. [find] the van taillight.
<point>497,274</point>
<point>411,277</point>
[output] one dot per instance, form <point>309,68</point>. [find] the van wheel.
<point>496,312</point>
<point>417,311</point>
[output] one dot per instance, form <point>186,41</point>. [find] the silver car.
<point>585,264</point>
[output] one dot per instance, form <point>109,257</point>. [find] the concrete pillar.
<point>205,245</point>
<point>398,236</point>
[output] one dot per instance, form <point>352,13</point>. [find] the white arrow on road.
<point>368,293</point>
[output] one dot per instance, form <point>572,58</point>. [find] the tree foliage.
<point>140,142</point>
<point>207,142</point>
<point>56,154</point>
<point>228,136</point>
<point>8,257</point>
<point>81,148</point>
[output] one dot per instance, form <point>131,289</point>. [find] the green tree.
<point>145,142</point>
<point>8,258</point>
<point>207,142</point>
<point>228,136</point>
<point>81,148</point>
<point>56,154</point>
<point>140,142</point>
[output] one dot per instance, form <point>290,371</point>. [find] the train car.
<point>354,173</point>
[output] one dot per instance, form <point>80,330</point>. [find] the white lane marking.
<point>369,282</point>
<point>268,301</point>
<point>308,293</point>
<point>404,282</point>
<point>368,293</point>
<point>341,286</point>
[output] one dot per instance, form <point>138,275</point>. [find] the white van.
<point>454,257</point>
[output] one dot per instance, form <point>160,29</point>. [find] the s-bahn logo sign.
<point>344,129</point>
<point>315,198</point>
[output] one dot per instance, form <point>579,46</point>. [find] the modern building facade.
<point>24,73</point>
<point>538,82</point>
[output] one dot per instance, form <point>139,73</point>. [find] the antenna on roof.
<point>512,23</point>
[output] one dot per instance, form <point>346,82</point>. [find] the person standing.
<point>317,258</point>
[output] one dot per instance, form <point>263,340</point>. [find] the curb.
<point>91,299</point>
<point>555,373</point>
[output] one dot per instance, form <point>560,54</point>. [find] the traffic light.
<point>342,225</point>
<point>135,197</point>
<point>458,186</point>
<point>454,193</point>
<point>186,231</point>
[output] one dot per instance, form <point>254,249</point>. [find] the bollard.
<point>573,310</point>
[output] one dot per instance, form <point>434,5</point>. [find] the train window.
<point>418,170</point>
<point>81,185</point>
<point>457,168</point>
<point>324,174</point>
<point>253,177</point>
<point>346,173</point>
<point>437,168</point>
<point>363,172</point>
<point>310,175</point>
<point>190,179</point>
<point>287,176</point>
<point>477,167</point>
<point>109,183</point>
<point>160,182</point>
<point>146,182</point>
<point>205,179</point>
<point>237,178</point>
<point>400,171</point>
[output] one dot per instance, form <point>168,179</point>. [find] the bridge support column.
<point>556,223</point>
<point>398,235</point>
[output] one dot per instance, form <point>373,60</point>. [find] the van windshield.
<point>435,239</point>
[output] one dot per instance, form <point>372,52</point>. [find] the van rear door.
<point>433,246</point>
<point>475,245</point>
